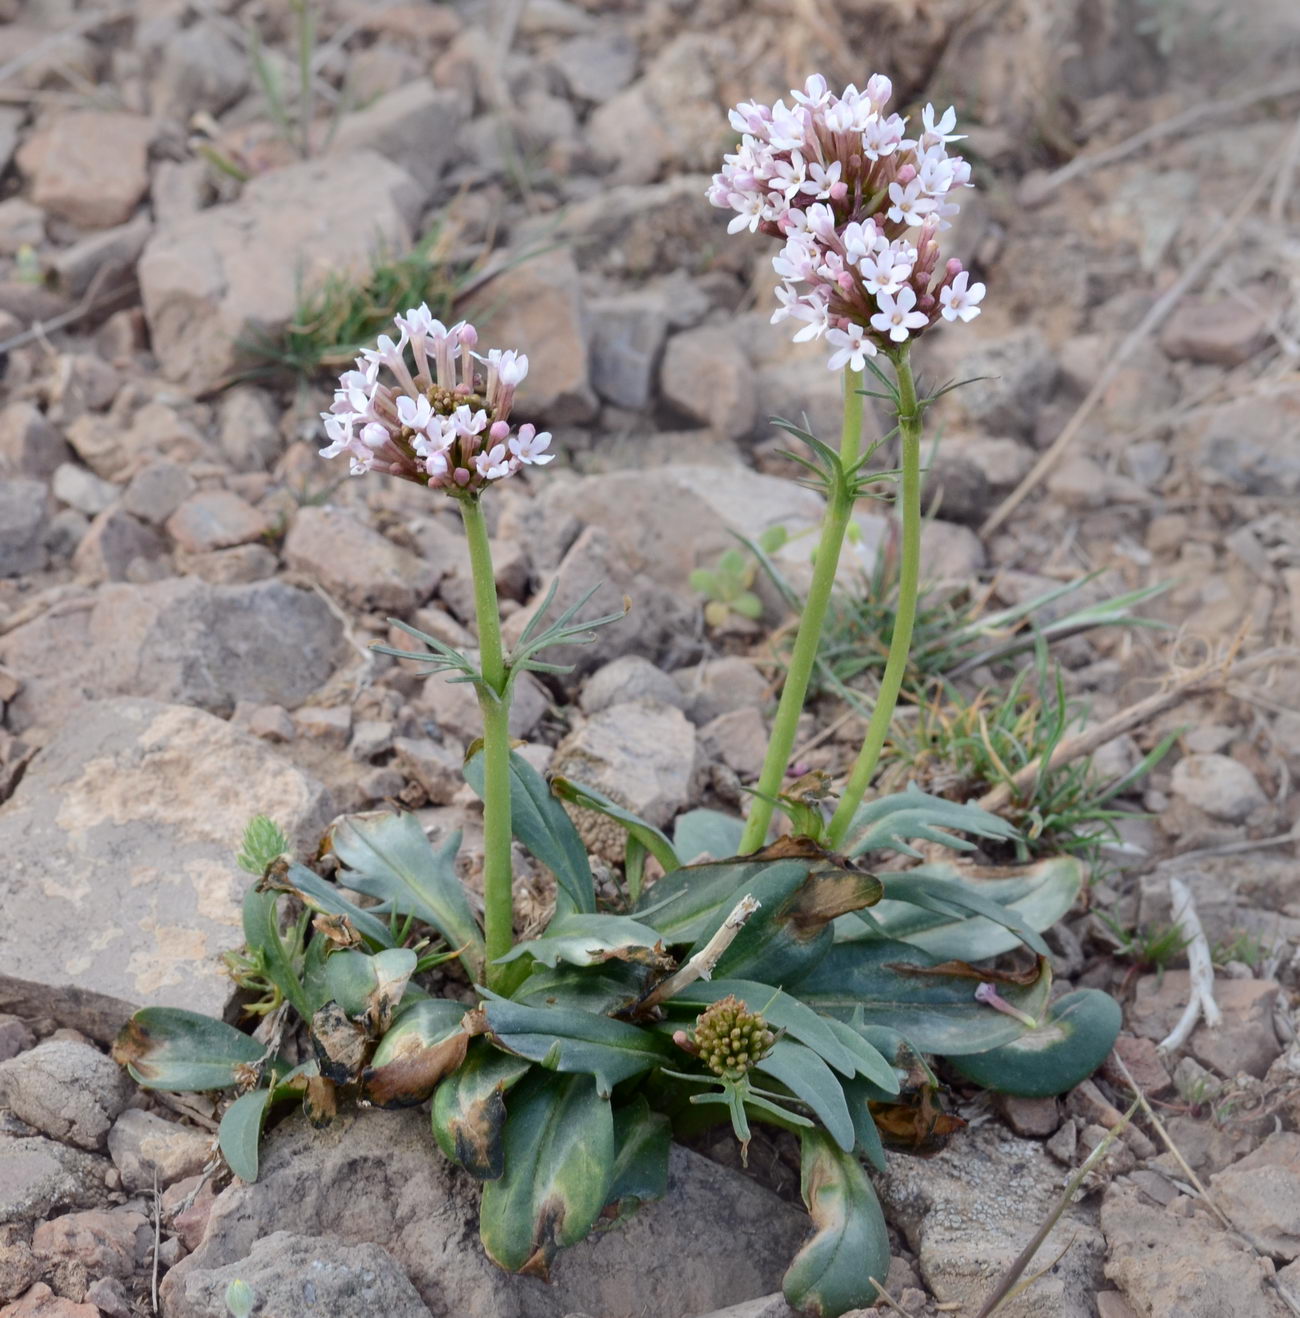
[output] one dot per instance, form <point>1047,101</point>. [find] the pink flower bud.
<point>498,432</point>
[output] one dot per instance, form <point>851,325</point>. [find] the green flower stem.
<point>494,701</point>
<point>891,683</point>
<point>839,509</point>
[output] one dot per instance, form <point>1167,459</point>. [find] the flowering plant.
<point>781,982</point>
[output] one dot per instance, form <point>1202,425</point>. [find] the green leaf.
<point>240,1299</point>
<point>240,1132</point>
<point>589,940</point>
<point>263,843</point>
<point>388,857</point>
<point>832,1273</point>
<point>543,825</point>
<point>559,1159</point>
<point>875,983</point>
<point>1030,897</point>
<point>575,1041</point>
<point>372,986</point>
<point>859,1094</point>
<point>698,832</point>
<point>318,894</point>
<point>651,838</point>
<point>607,992</point>
<point>798,1020</point>
<point>167,1048</point>
<point>748,605</point>
<point>426,1042</point>
<point>469,1109</point>
<point>1075,1037</point>
<point>691,903</point>
<point>890,822</point>
<point>262,934</point>
<point>802,1072</point>
<point>642,1139</point>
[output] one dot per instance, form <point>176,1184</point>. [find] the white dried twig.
<point>701,965</point>
<point>1200,1001</point>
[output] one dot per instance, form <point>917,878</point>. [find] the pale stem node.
<point>1200,966</point>
<point>702,964</point>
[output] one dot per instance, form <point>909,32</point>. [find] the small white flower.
<point>512,368</point>
<point>797,260</point>
<point>813,313</point>
<point>822,178</point>
<point>530,447</point>
<point>749,211</point>
<point>936,133</point>
<point>896,316</point>
<point>815,92</point>
<point>788,127</point>
<point>338,430</point>
<point>419,321</point>
<point>884,272</point>
<point>881,137</point>
<point>960,302</point>
<point>466,423</point>
<point>909,206</point>
<point>414,413</point>
<point>494,464</point>
<point>374,435</point>
<point>852,348</point>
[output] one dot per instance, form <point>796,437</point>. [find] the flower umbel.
<point>860,206</point>
<point>730,1039</point>
<point>442,419</point>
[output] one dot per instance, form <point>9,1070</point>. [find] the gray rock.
<point>120,887</point>
<point>1176,1264</point>
<point>201,68</point>
<point>595,67</point>
<point>80,488</point>
<point>39,1176</point>
<point>1255,449</point>
<point>537,308</point>
<point>738,739</point>
<point>377,1177</point>
<point>1223,331</point>
<point>1219,785</point>
<point>707,375</point>
<point>15,1036</point>
<point>642,755</point>
<point>720,686</point>
<point>144,1146</point>
<point>1261,1194</point>
<point>247,428</point>
<point>629,678</point>
<point>215,519</point>
<point>968,1211</point>
<point>293,1274</point>
<point>24,517</point>
<point>625,353</point>
<point>416,127</point>
<point>114,547</point>
<point>29,444</point>
<point>208,279</point>
<point>156,491</point>
<point>356,563</point>
<point>1020,371</point>
<point>435,767</point>
<point>181,640</point>
<point>69,1091</point>
<point>453,706</point>
<point>106,259</point>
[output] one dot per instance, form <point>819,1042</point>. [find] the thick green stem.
<point>891,682</point>
<point>839,509</point>
<point>494,701</point>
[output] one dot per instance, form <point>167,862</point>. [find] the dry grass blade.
<point>1227,232</point>
<point>1200,1001</point>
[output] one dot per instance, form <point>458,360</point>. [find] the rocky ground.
<point>187,592</point>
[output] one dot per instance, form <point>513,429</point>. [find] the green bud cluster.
<point>731,1039</point>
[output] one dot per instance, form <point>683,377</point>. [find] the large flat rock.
<point>119,887</point>
<point>717,1239</point>
<point>213,279</point>
<point>179,640</point>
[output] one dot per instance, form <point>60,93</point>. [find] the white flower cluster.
<point>860,206</point>
<point>437,423</point>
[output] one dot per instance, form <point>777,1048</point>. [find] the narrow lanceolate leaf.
<point>651,838</point>
<point>707,832</point>
<point>884,983</point>
<point>576,1041</point>
<point>261,912</point>
<point>241,1132</point>
<point>319,895</point>
<point>642,1139</point>
<point>832,1273</point>
<point>806,1076</point>
<point>388,857</point>
<point>968,912</point>
<point>1076,1035</point>
<point>588,940</point>
<point>559,1160</point>
<point>798,1020</point>
<point>543,825</point>
<point>469,1109</point>
<point>167,1048</point>
<point>427,1042</point>
<point>891,822</point>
